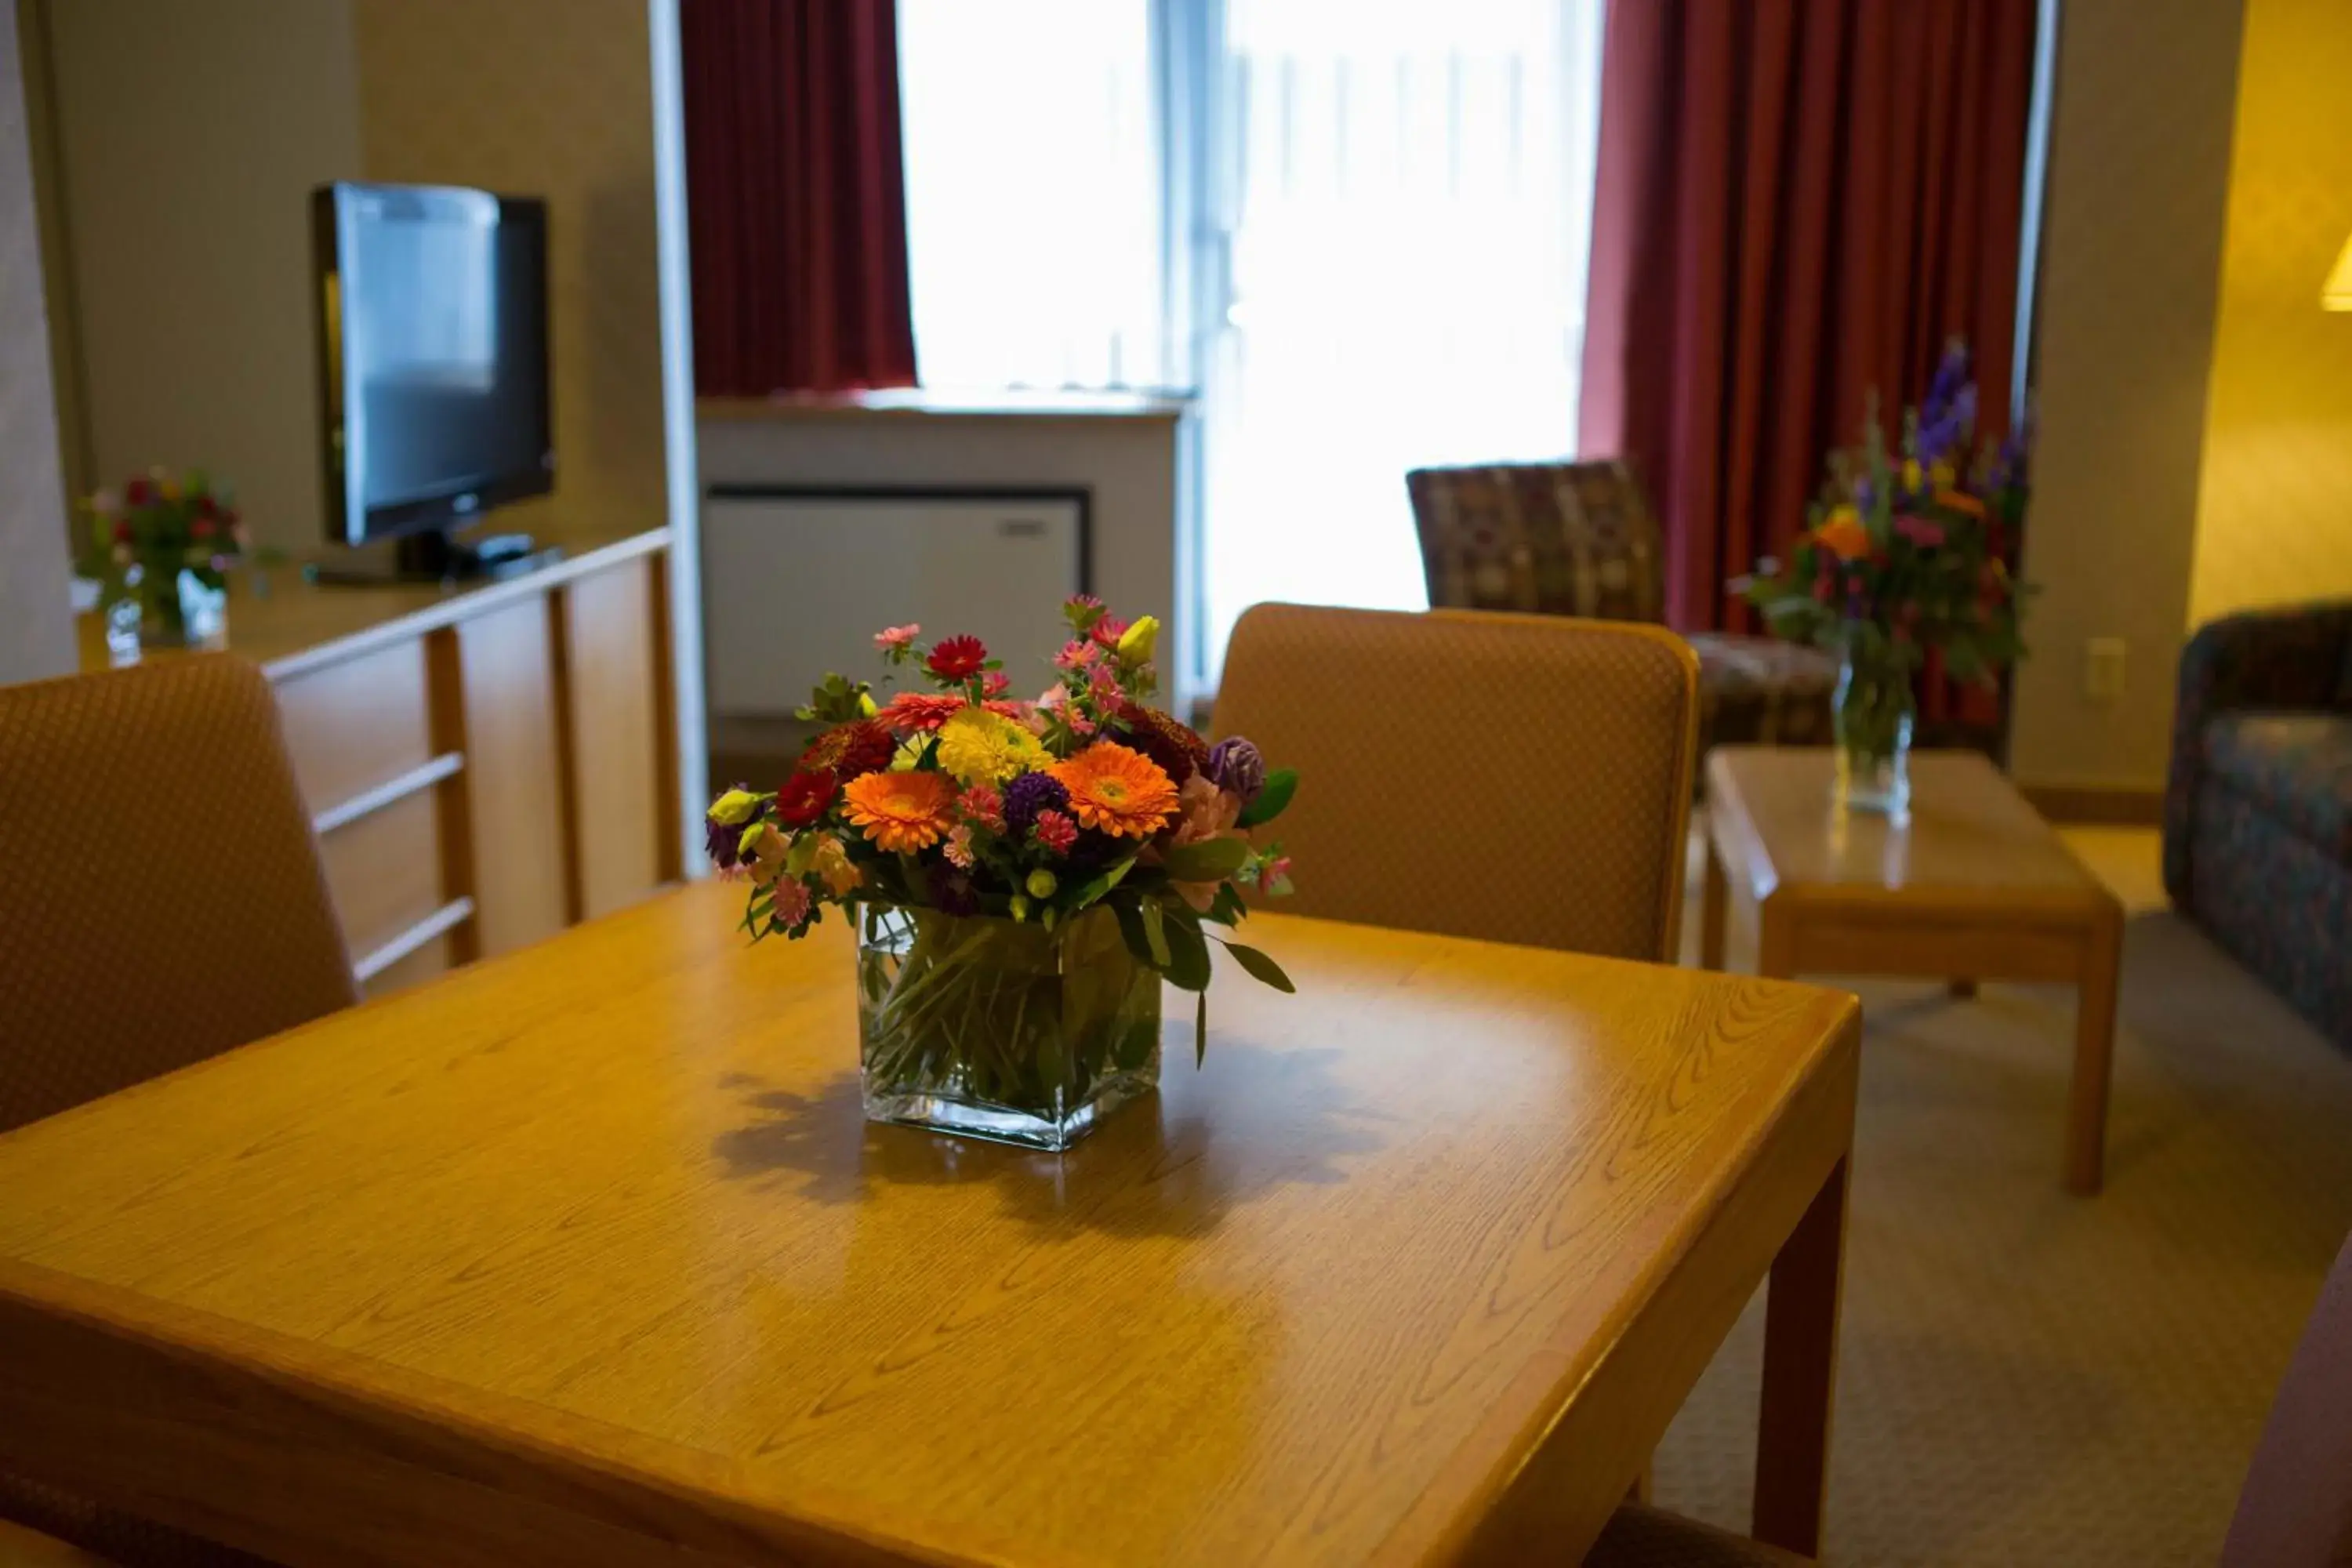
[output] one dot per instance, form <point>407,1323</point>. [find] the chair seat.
<point>1755,690</point>
<point>1639,1536</point>
<point>2295,767</point>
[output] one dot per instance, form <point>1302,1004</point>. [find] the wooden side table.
<point>1975,886</point>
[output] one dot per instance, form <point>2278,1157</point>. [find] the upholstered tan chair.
<point>165,904</point>
<point>2296,1510</point>
<point>165,901</point>
<point>1557,753</point>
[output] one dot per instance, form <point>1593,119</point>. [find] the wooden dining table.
<point>585,1256</point>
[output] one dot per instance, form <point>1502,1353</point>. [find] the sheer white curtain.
<point>1382,218</point>
<point>1409,221</point>
<point>1033,200</point>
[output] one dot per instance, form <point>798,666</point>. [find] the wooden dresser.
<point>486,763</point>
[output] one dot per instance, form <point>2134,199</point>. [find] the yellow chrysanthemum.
<point>1117,791</point>
<point>979,747</point>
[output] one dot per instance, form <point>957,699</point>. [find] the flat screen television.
<point>432,358</point>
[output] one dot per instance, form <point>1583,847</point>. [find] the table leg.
<point>1961,990</point>
<point>1800,1329</point>
<point>2094,1049</point>
<point>1712,913</point>
<point>1775,940</point>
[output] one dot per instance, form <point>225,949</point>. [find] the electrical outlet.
<point>2103,668</point>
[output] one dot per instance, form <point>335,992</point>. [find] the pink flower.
<point>1927,535</point>
<point>1056,831</point>
<point>1103,681</point>
<point>1204,811</point>
<point>959,846</point>
<point>1108,631</point>
<point>892,639</point>
<point>1075,656</point>
<point>1270,872</point>
<point>996,683</point>
<point>984,806</point>
<point>1207,812</point>
<point>791,908</point>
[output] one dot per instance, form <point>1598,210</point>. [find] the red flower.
<point>138,492</point>
<point>956,658</point>
<point>850,751</point>
<point>919,712</point>
<point>122,531</point>
<point>805,798</point>
<point>1108,631</point>
<point>203,528</point>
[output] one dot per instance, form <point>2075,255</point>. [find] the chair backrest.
<point>1515,778</point>
<point>1555,539</point>
<point>2295,1511</point>
<point>164,899</point>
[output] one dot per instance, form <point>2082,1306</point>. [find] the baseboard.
<point>2098,806</point>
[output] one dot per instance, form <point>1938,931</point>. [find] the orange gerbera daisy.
<point>1117,791</point>
<point>900,812</point>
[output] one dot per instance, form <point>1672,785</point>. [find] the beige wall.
<point>2131,260</point>
<point>188,140</point>
<point>2275,522</point>
<point>36,635</point>
<point>552,98</point>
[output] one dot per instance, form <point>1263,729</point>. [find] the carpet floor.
<point>2030,1378</point>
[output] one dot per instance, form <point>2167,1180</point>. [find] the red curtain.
<point>796,196</point>
<point>1798,201</point>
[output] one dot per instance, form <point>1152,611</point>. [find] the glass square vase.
<point>990,1028</point>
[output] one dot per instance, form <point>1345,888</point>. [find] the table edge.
<point>639,1479</point>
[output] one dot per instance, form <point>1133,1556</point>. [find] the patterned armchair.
<point>1580,539</point>
<point>2258,804</point>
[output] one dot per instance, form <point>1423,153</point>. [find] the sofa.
<point>2258,803</point>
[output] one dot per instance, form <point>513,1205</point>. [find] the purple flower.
<point>722,839</point>
<point>1951,375</point>
<point>1234,764</point>
<point>952,892</point>
<point>1027,796</point>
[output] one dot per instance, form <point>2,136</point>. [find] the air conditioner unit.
<point>797,582</point>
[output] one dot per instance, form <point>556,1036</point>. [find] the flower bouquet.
<point>158,551</point>
<point>1020,875</point>
<point>1907,551</point>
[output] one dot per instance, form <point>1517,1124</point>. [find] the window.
<point>1358,231</point>
<point>1034,199</point>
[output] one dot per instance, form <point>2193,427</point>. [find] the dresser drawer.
<point>383,872</point>
<point>356,724</point>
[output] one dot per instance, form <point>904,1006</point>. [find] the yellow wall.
<point>552,98</point>
<point>2274,515</point>
<point>2140,161</point>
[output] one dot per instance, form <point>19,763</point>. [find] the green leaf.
<point>1211,861</point>
<point>1130,926</point>
<point>1102,884</point>
<point>1155,935</point>
<point>1135,1046</point>
<point>1226,908</point>
<point>1201,1032</point>
<point>1188,952</point>
<point>1261,967</point>
<point>1271,802</point>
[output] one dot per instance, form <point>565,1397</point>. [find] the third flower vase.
<point>1872,716</point>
